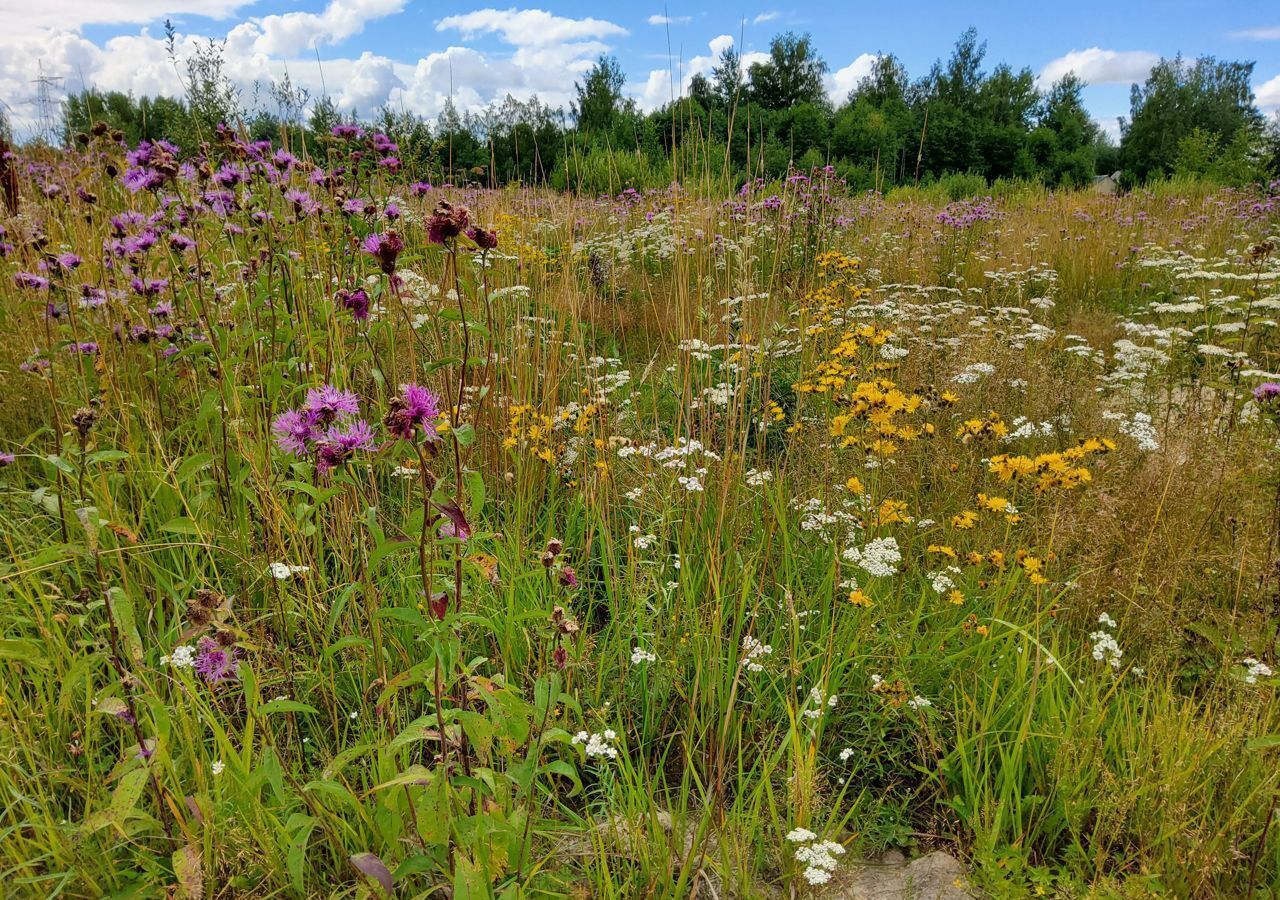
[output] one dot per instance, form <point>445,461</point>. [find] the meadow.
<point>364,537</point>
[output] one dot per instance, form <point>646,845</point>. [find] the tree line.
<point>1189,118</point>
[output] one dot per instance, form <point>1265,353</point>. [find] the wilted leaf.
<point>186,865</point>
<point>375,868</point>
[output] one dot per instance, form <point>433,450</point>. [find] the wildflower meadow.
<point>364,536</point>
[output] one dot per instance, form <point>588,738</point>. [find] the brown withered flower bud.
<point>209,599</point>
<point>84,419</point>
<point>198,616</point>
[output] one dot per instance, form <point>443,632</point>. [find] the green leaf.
<point>469,883</point>
<point>182,525</point>
<point>123,613</point>
<point>466,435</point>
<point>127,794</point>
<point>276,706</point>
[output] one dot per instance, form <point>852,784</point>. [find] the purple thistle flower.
<point>327,404</point>
<point>141,179</point>
<point>340,442</point>
<point>66,262</point>
<point>215,663</point>
<point>92,296</point>
<point>31,281</point>
<point>303,203</point>
<point>418,407</point>
<point>484,239</point>
<point>419,188</point>
<point>447,222</point>
<point>386,248</point>
<point>6,459</point>
<point>294,430</point>
<point>1266,392</point>
<point>357,302</point>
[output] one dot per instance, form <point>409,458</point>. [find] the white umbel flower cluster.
<point>1105,647</point>
<point>283,571</point>
<point>818,857</point>
<point>598,745</point>
<point>1254,669</point>
<point>182,657</point>
<point>880,557</point>
<point>752,652</point>
<point>818,703</point>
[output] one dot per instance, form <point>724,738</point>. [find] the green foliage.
<point>737,125</point>
<point>1179,98</point>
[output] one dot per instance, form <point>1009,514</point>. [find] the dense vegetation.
<point>361,536</point>
<point>1190,119</point>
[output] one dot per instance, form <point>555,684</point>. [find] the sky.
<point>414,55</point>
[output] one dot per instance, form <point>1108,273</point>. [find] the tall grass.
<point>674,438</point>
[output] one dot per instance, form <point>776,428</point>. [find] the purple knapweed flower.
<point>447,222</point>
<point>356,302</point>
<point>1266,392</point>
<point>485,239</point>
<point>327,404</point>
<point>294,431</point>
<point>386,248</point>
<point>416,407</point>
<point>340,441</point>
<point>215,663</point>
<point>31,281</point>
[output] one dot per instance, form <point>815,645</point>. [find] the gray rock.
<point>937,876</point>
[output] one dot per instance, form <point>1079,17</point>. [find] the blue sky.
<point>416,55</point>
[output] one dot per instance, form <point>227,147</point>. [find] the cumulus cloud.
<point>1267,96</point>
<point>288,34</point>
<point>658,19</point>
<point>657,88</point>
<point>547,54</point>
<point>840,82</point>
<point>1098,66</point>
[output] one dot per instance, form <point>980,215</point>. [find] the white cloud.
<point>1111,127</point>
<point>1098,66</point>
<point>656,89</point>
<point>1266,33</point>
<point>289,34</point>
<point>842,81</point>
<point>23,17</point>
<point>719,44</point>
<point>1267,96</point>
<point>766,17</point>
<point>528,27</point>
<point>658,19</point>
<point>548,53</point>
